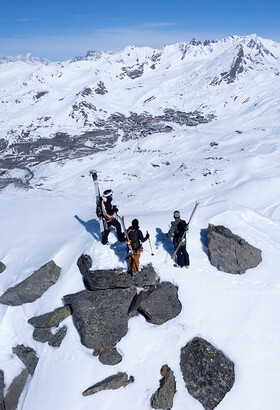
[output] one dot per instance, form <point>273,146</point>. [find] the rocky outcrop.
<point>110,383</point>
<point>114,278</point>
<point>2,267</point>
<point>2,403</point>
<point>207,372</point>
<point>28,357</point>
<point>159,304</point>
<point>163,397</point>
<point>33,287</point>
<point>101,316</point>
<point>45,322</point>
<point>110,356</point>
<point>15,390</point>
<point>230,253</point>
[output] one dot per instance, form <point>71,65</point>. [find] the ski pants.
<point>183,256</point>
<point>131,262</point>
<point>117,225</point>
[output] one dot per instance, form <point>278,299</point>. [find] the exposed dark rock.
<point>207,372</point>
<point>237,67</point>
<point>33,287</point>
<point>2,267</point>
<point>2,403</point>
<point>28,357</point>
<point>100,89</point>
<point>110,356</point>
<point>51,319</point>
<point>42,335</point>
<point>110,383</point>
<point>230,253</point>
<point>134,71</point>
<point>114,278</point>
<point>159,304</point>
<point>56,340</point>
<point>15,390</point>
<point>101,316</point>
<point>40,94</point>
<point>163,397</point>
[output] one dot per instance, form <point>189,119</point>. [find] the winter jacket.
<point>109,209</point>
<point>174,230</point>
<point>136,237</point>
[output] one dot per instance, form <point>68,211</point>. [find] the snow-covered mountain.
<point>164,128</point>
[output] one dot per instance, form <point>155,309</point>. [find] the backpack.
<point>181,228</point>
<point>133,237</point>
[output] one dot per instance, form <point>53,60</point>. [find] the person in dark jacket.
<point>110,212</point>
<point>182,254</point>
<point>136,238</point>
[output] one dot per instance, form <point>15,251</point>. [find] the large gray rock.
<point>101,316</point>
<point>207,372</point>
<point>28,357</point>
<point>51,319</point>
<point>163,397</point>
<point>2,403</point>
<point>2,267</point>
<point>114,278</point>
<point>110,383</point>
<point>33,287</point>
<point>159,304</point>
<point>229,252</point>
<point>15,390</point>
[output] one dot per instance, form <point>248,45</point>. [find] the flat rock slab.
<point>110,356</point>
<point>2,267</point>
<point>207,372</point>
<point>33,287</point>
<point>114,278</point>
<point>56,339</point>
<point>51,319</point>
<point>230,253</point>
<point>2,403</point>
<point>28,357</point>
<point>159,304</point>
<point>163,397</point>
<point>15,390</point>
<point>110,383</point>
<point>101,316</point>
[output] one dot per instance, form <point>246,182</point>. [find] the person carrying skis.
<point>178,226</point>
<point>109,212</point>
<point>136,238</point>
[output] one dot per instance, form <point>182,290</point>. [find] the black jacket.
<point>109,207</point>
<point>136,237</point>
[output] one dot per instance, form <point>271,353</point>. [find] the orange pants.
<point>137,260</point>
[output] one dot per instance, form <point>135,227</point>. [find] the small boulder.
<point>28,357</point>
<point>230,253</point>
<point>51,319</point>
<point>110,356</point>
<point>101,316</point>
<point>42,334</point>
<point>15,390</point>
<point>159,304</point>
<point>56,339</point>
<point>207,372</point>
<point>33,287</point>
<point>110,383</point>
<point>163,397</point>
<point>2,267</point>
<point>2,403</point>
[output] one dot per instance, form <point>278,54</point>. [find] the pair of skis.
<point>185,232</point>
<point>102,219</point>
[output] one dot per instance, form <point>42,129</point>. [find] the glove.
<point>115,209</point>
<point>147,236</point>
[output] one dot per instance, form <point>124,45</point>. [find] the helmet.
<point>107,193</point>
<point>135,223</point>
<point>176,214</point>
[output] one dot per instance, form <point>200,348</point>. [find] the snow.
<point>237,314</point>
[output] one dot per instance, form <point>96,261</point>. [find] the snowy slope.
<point>231,165</point>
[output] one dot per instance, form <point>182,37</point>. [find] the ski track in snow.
<point>237,184</point>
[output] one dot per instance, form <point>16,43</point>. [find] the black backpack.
<point>181,227</point>
<point>133,237</point>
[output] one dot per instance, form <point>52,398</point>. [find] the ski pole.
<point>160,243</point>
<point>152,253</point>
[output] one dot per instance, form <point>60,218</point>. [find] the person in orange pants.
<point>136,238</point>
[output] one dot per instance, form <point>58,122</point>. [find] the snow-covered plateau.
<point>164,129</point>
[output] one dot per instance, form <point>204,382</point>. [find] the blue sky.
<point>63,29</point>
